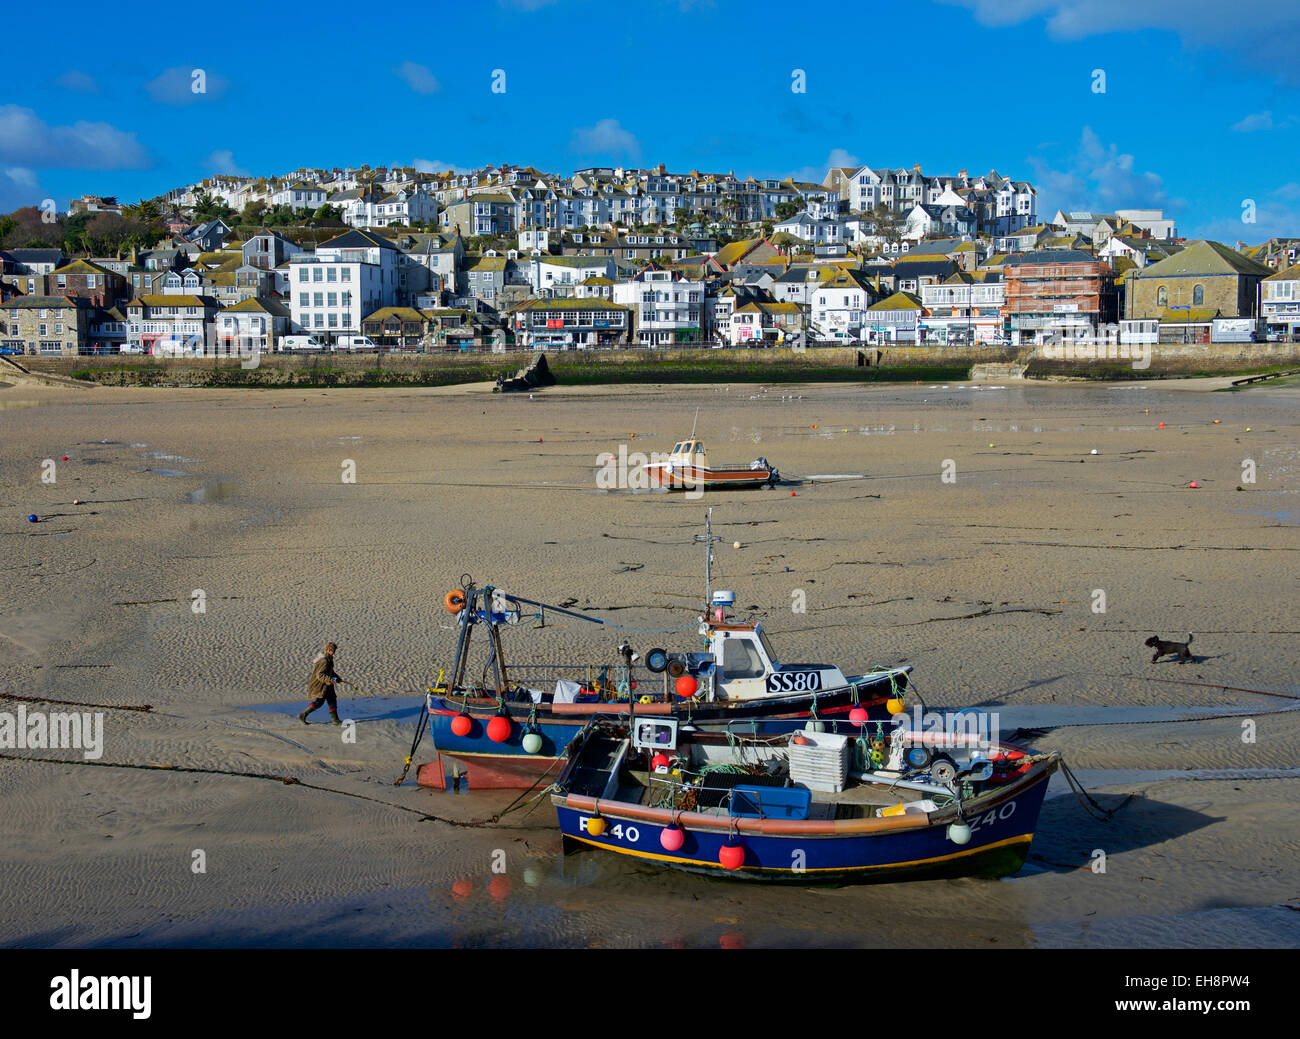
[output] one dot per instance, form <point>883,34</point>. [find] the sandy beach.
<point>986,583</point>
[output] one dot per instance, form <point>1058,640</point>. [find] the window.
<point>1198,295</point>
<point>1162,297</point>
<point>316,274</point>
<point>331,274</point>
<point>347,273</point>
<point>318,299</point>
<point>303,299</point>
<point>741,660</point>
<point>302,274</point>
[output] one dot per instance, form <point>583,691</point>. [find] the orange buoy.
<point>454,600</point>
<point>461,724</point>
<point>732,855</point>
<point>498,729</point>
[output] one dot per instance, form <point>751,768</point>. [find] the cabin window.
<point>741,660</point>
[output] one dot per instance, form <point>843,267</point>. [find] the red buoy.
<point>858,716</point>
<point>461,724</point>
<point>659,761</point>
<point>687,686</point>
<point>498,729</point>
<point>672,838</point>
<point>732,855</point>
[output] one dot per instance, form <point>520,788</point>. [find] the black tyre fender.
<point>656,661</point>
<point>676,667</point>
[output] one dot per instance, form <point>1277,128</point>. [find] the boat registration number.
<point>794,681</point>
<point>993,815</point>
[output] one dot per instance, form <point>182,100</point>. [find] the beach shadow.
<point>1067,837</point>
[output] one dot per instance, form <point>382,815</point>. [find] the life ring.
<point>454,600</point>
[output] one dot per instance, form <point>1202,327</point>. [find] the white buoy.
<point>959,833</point>
<point>735,544</point>
<point>1094,451</point>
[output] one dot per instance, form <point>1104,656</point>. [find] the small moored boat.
<point>687,468</point>
<point>805,807</point>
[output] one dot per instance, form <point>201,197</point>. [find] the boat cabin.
<point>742,664</point>
<point>690,452</point>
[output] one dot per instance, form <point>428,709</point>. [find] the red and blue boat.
<point>803,807</point>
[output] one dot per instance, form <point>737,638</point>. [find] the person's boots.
<point>303,717</point>
<point>334,719</point>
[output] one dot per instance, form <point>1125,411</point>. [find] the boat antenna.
<point>696,422</point>
<point>709,541</point>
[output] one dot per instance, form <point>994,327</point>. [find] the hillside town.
<point>511,258</point>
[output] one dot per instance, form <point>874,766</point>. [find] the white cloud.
<point>177,86</point>
<point>1254,121</point>
<point>19,187</point>
<point>76,80</point>
<point>1098,177</point>
<point>436,166</point>
<point>817,174</point>
<point>1290,191</point>
<point>223,161</point>
<point>606,138</point>
<point>1267,42</point>
<point>27,140</point>
<point>418,77</point>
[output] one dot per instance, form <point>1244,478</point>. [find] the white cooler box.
<point>822,763</point>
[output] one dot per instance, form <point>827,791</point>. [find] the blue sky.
<point>1199,113</point>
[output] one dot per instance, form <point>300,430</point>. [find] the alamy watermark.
<point>1107,343</point>
<point>53,730</point>
<point>638,471</point>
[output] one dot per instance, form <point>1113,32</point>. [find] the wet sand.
<point>985,584</point>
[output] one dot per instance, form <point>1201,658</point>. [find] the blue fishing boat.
<point>511,727</point>
<point>804,807</point>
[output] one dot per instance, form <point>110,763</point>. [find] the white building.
<point>838,306</point>
<point>964,309</point>
<point>300,196</point>
<point>667,308</point>
<point>347,278</point>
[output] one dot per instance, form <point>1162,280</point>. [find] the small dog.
<point>1180,649</point>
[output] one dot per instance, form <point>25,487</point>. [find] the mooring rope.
<point>286,780</point>
<point>76,703</point>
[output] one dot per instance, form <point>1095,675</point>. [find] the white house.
<point>838,306</point>
<point>300,196</point>
<point>348,277</point>
<point>667,308</point>
<point>965,308</point>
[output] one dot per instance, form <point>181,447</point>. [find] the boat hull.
<point>911,849</point>
<point>693,477</point>
<point>507,765</point>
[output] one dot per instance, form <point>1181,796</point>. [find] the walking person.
<point>321,685</point>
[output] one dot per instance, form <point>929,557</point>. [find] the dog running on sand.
<point>1180,649</point>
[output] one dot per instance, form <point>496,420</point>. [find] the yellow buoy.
<point>595,826</point>
<point>895,705</point>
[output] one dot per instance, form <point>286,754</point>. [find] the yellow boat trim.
<point>1023,839</point>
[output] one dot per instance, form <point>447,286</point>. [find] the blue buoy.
<point>32,518</point>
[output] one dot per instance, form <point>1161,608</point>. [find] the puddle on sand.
<point>370,708</point>
<point>212,493</point>
<point>163,472</point>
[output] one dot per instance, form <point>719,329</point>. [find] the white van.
<point>355,343</point>
<point>301,343</point>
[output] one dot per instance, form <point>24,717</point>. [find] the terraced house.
<point>46,325</point>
